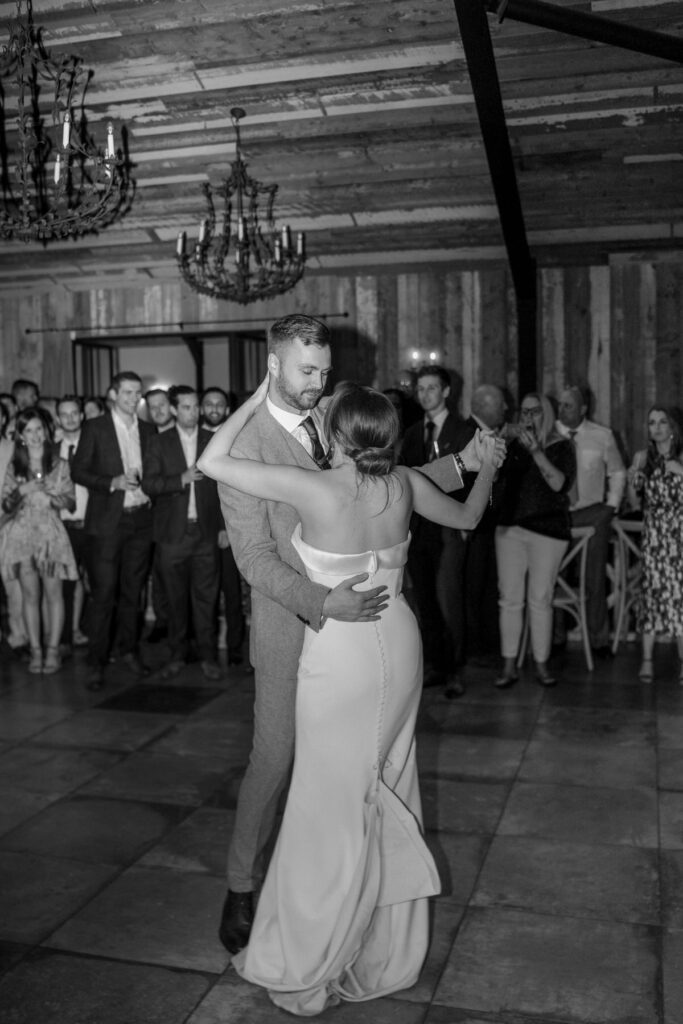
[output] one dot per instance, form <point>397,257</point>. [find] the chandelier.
<point>55,182</point>
<point>246,259</point>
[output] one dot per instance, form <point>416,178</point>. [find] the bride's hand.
<point>492,450</point>
<point>261,391</point>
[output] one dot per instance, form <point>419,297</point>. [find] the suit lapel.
<point>282,441</point>
<point>112,438</point>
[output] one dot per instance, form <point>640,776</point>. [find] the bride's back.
<point>354,513</point>
<point>364,503</point>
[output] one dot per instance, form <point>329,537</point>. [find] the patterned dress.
<point>660,608</point>
<point>33,536</point>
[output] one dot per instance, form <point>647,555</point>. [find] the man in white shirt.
<point>118,521</point>
<point>187,521</point>
<point>69,411</point>
<point>595,499</point>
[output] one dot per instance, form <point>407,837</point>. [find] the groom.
<point>285,430</point>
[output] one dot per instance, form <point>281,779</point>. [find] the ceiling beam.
<point>476,40</point>
<point>574,22</point>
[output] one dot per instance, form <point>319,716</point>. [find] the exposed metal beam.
<point>589,26</point>
<point>476,40</point>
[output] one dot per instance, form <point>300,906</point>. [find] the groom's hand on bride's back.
<point>351,605</point>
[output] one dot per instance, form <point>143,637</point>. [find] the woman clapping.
<point>34,546</point>
<point>533,534</point>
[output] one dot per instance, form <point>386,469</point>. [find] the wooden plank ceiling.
<point>363,112</point>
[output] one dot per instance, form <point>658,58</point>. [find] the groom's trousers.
<point>269,765</point>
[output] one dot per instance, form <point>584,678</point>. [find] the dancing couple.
<point>343,911</point>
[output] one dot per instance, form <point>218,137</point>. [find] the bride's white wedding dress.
<point>343,912</point>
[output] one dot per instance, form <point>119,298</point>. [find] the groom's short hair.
<point>309,329</point>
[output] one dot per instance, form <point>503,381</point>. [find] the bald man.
<point>475,613</point>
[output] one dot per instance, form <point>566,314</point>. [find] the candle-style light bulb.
<point>300,245</point>
<point>180,247</point>
<point>66,130</point>
<point>202,231</point>
<point>110,141</point>
<point>286,239</point>
<point>240,229</point>
<point>57,169</point>
<point>278,251</point>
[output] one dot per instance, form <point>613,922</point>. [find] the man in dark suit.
<point>187,521</point>
<point>215,408</point>
<point>118,519</point>
<point>433,559</point>
<point>475,604</point>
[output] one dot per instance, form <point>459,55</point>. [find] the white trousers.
<point>520,555</point>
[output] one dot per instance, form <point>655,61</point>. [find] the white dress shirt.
<point>600,470</point>
<point>189,443</point>
<point>131,456</point>
<point>291,421</point>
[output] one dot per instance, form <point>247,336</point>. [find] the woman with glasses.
<point>533,534</point>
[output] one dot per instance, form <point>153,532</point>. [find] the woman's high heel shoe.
<point>35,665</point>
<point>646,674</point>
<point>543,676</point>
<point>506,679</point>
<point>53,661</point>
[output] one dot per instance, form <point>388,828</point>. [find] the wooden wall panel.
<point>617,327</point>
<point>598,372</point>
<point>551,329</point>
<point>669,320</point>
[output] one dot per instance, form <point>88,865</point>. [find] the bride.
<point>343,911</point>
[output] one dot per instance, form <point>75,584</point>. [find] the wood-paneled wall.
<point>616,328</point>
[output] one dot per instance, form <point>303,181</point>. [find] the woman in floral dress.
<point>656,477</point>
<point>34,546</point>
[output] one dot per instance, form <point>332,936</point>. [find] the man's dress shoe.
<point>211,670</point>
<point>95,678</point>
<point>236,920</point>
<point>454,688</point>
<point>432,677</point>
<point>133,664</point>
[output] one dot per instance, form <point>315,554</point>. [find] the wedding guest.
<point>594,501</point>
<point>25,393</point>
<point>34,546</point>
<point>118,522</point>
<point>533,534</point>
<point>215,408</point>
<point>475,604</point>
<point>434,549</point>
<point>70,418</point>
<point>187,521</point>
<point>656,479</point>
<point>160,410</point>
<point>93,406</point>
<point>14,638</point>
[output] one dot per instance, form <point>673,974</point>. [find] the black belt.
<point>135,508</point>
<point>77,524</point>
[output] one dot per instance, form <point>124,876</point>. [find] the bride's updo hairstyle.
<point>363,423</point>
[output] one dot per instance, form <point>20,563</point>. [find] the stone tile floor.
<point>556,819</point>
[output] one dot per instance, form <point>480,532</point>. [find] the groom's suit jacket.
<point>283,599</point>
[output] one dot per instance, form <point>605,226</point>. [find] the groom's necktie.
<point>318,452</point>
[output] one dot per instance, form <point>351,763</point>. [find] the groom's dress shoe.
<point>236,920</point>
